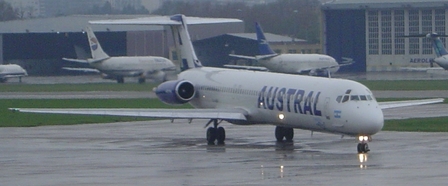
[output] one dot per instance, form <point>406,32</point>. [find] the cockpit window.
<point>345,99</point>
<point>354,98</point>
<point>338,99</point>
<point>363,97</point>
<point>348,91</point>
<point>369,97</point>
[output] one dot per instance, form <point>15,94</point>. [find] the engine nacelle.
<point>176,91</point>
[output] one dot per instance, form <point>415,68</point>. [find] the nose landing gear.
<point>363,147</point>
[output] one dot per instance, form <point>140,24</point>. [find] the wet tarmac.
<point>165,153</point>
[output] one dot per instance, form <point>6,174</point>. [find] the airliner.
<point>143,67</point>
<point>310,64</point>
<point>11,71</point>
<point>244,97</point>
<point>441,53</point>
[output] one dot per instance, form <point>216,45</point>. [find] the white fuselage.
<point>305,102</point>
<point>12,70</point>
<point>129,66</point>
<point>442,61</point>
<point>298,63</point>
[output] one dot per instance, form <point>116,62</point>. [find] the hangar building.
<point>368,31</point>
<point>38,45</point>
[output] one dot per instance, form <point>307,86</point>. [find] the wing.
<point>256,68</point>
<point>87,61</point>
<point>75,60</point>
<point>81,69</point>
<point>395,104</point>
<point>230,114</point>
<point>166,20</point>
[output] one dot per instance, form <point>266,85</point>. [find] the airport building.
<point>369,32</point>
<point>38,45</point>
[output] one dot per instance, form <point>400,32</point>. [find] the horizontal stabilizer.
<point>166,20</point>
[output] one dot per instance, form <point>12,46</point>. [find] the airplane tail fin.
<point>95,47</point>
<point>438,47</point>
<point>183,43</point>
<point>263,46</point>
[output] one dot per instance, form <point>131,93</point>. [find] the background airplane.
<point>11,71</point>
<point>143,67</point>
<point>441,53</point>
<point>242,97</point>
<point>312,64</point>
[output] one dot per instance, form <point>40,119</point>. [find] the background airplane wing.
<point>395,104</point>
<point>165,20</point>
<point>233,114</point>
<point>75,60</point>
<point>256,68</point>
<point>81,69</point>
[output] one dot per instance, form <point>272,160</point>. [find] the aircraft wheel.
<point>363,148</point>
<point>289,134</point>
<point>141,80</point>
<point>360,150</point>
<point>279,133</point>
<point>211,135</point>
<point>120,80</point>
<point>220,135</point>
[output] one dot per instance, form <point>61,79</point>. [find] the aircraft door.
<point>327,109</point>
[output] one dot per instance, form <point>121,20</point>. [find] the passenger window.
<point>345,99</point>
<point>363,97</point>
<point>338,99</point>
<point>354,98</point>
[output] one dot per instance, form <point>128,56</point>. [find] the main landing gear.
<point>215,133</point>
<point>120,79</point>
<point>284,133</point>
<point>362,145</point>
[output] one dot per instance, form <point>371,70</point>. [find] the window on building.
<point>373,32</point>
<point>386,32</point>
<point>427,28</point>
<point>399,31</point>
<point>414,26</point>
<point>439,23</point>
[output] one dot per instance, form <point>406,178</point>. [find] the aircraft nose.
<point>374,122</point>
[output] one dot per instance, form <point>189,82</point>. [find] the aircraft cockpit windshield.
<point>348,96</point>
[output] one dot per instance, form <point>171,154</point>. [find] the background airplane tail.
<point>184,44</point>
<point>263,46</point>
<point>95,47</point>
<point>438,47</point>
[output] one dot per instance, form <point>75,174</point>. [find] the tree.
<point>294,18</point>
<point>7,12</point>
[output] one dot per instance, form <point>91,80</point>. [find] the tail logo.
<point>93,43</point>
